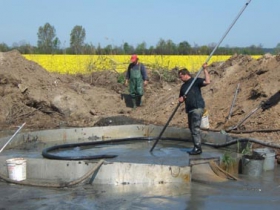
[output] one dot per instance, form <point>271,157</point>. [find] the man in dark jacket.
<point>194,104</point>
<point>137,76</point>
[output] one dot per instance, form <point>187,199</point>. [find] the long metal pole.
<point>200,70</point>
<point>245,118</point>
<point>12,137</point>
<point>233,102</point>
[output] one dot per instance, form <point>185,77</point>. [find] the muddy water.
<point>250,193</point>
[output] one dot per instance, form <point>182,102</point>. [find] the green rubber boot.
<point>139,101</point>
<point>133,103</point>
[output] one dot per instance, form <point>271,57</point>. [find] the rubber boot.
<point>196,150</point>
<point>139,101</point>
<point>133,103</point>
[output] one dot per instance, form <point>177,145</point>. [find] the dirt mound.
<point>118,120</point>
<point>259,88</point>
<point>48,100</point>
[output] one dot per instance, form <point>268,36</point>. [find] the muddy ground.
<point>47,100</point>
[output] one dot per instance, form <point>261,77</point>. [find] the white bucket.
<point>269,158</point>
<point>16,169</point>
<point>205,120</point>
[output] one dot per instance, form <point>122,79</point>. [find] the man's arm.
<point>144,74</point>
<point>206,74</point>
<point>127,76</point>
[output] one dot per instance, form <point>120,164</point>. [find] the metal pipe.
<point>12,137</point>
<point>245,118</point>
<point>233,102</point>
<point>200,70</point>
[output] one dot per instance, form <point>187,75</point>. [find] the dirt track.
<point>48,100</point>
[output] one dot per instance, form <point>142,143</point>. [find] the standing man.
<point>137,76</point>
<point>194,104</point>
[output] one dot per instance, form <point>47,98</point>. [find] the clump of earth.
<point>44,100</point>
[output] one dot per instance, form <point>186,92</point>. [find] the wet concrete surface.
<point>250,193</point>
<point>165,153</point>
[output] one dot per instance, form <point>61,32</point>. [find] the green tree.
<point>77,38</point>
<point>141,48</point>
<point>24,48</point>
<point>47,40</point>
<point>128,49</point>
<point>171,48</point>
<point>184,48</point>
<point>4,47</point>
<point>277,49</point>
<point>89,49</point>
<point>108,49</point>
<point>118,50</point>
<point>151,50</point>
<point>204,50</point>
<point>99,50</point>
<point>161,47</point>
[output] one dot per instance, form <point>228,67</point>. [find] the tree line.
<point>49,43</point>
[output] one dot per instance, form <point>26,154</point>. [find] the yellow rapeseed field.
<point>73,64</point>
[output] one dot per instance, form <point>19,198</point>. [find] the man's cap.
<point>133,58</point>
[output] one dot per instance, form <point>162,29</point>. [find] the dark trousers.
<point>194,118</point>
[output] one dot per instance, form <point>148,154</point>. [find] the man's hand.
<point>206,73</point>
<point>204,66</point>
<point>145,82</point>
<point>182,99</point>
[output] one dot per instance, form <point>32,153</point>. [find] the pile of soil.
<point>45,100</point>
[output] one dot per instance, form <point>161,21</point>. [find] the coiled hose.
<point>46,151</point>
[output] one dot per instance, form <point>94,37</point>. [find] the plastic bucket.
<point>269,158</point>
<point>252,165</point>
<point>16,169</point>
<point>205,120</point>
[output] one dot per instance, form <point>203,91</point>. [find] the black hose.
<point>244,131</point>
<point>46,151</point>
<point>235,141</point>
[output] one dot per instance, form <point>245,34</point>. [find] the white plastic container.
<point>269,156</point>
<point>16,169</point>
<point>205,120</point>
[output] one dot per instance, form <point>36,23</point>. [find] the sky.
<point>114,22</point>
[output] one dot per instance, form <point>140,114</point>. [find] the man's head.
<point>184,74</point>
<point>134,58</point>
